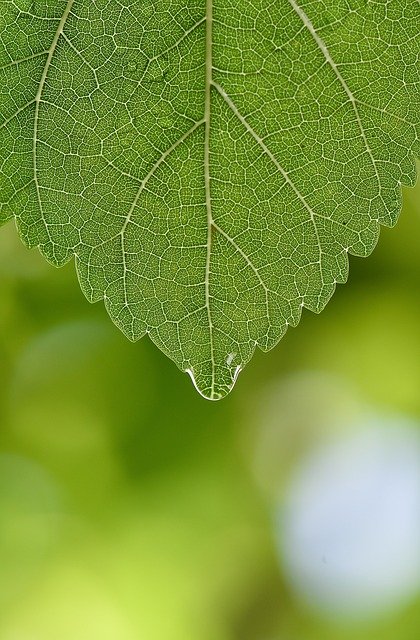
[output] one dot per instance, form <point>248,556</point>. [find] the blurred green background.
<point>131,508</point>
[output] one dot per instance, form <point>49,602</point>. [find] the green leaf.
<point>210,165</point>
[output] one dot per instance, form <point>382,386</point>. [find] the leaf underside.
<point>210,164</point>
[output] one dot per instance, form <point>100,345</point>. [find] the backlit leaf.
<point>210,164</point>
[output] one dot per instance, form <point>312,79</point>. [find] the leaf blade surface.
<point>210,164</point>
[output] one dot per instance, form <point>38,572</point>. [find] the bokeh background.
<point>131,508</point>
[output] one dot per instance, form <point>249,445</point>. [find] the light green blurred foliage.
<point>131,508</point>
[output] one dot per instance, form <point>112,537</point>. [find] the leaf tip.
<point>218,384</point>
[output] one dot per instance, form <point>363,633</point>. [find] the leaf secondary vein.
<point>37,106</point>
<point>324,49</point>
<point>274,160</point>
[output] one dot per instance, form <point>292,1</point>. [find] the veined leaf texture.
<point>211,163</point>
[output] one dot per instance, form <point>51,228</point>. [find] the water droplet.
<point>230,359</point>
<point>217,385</point>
